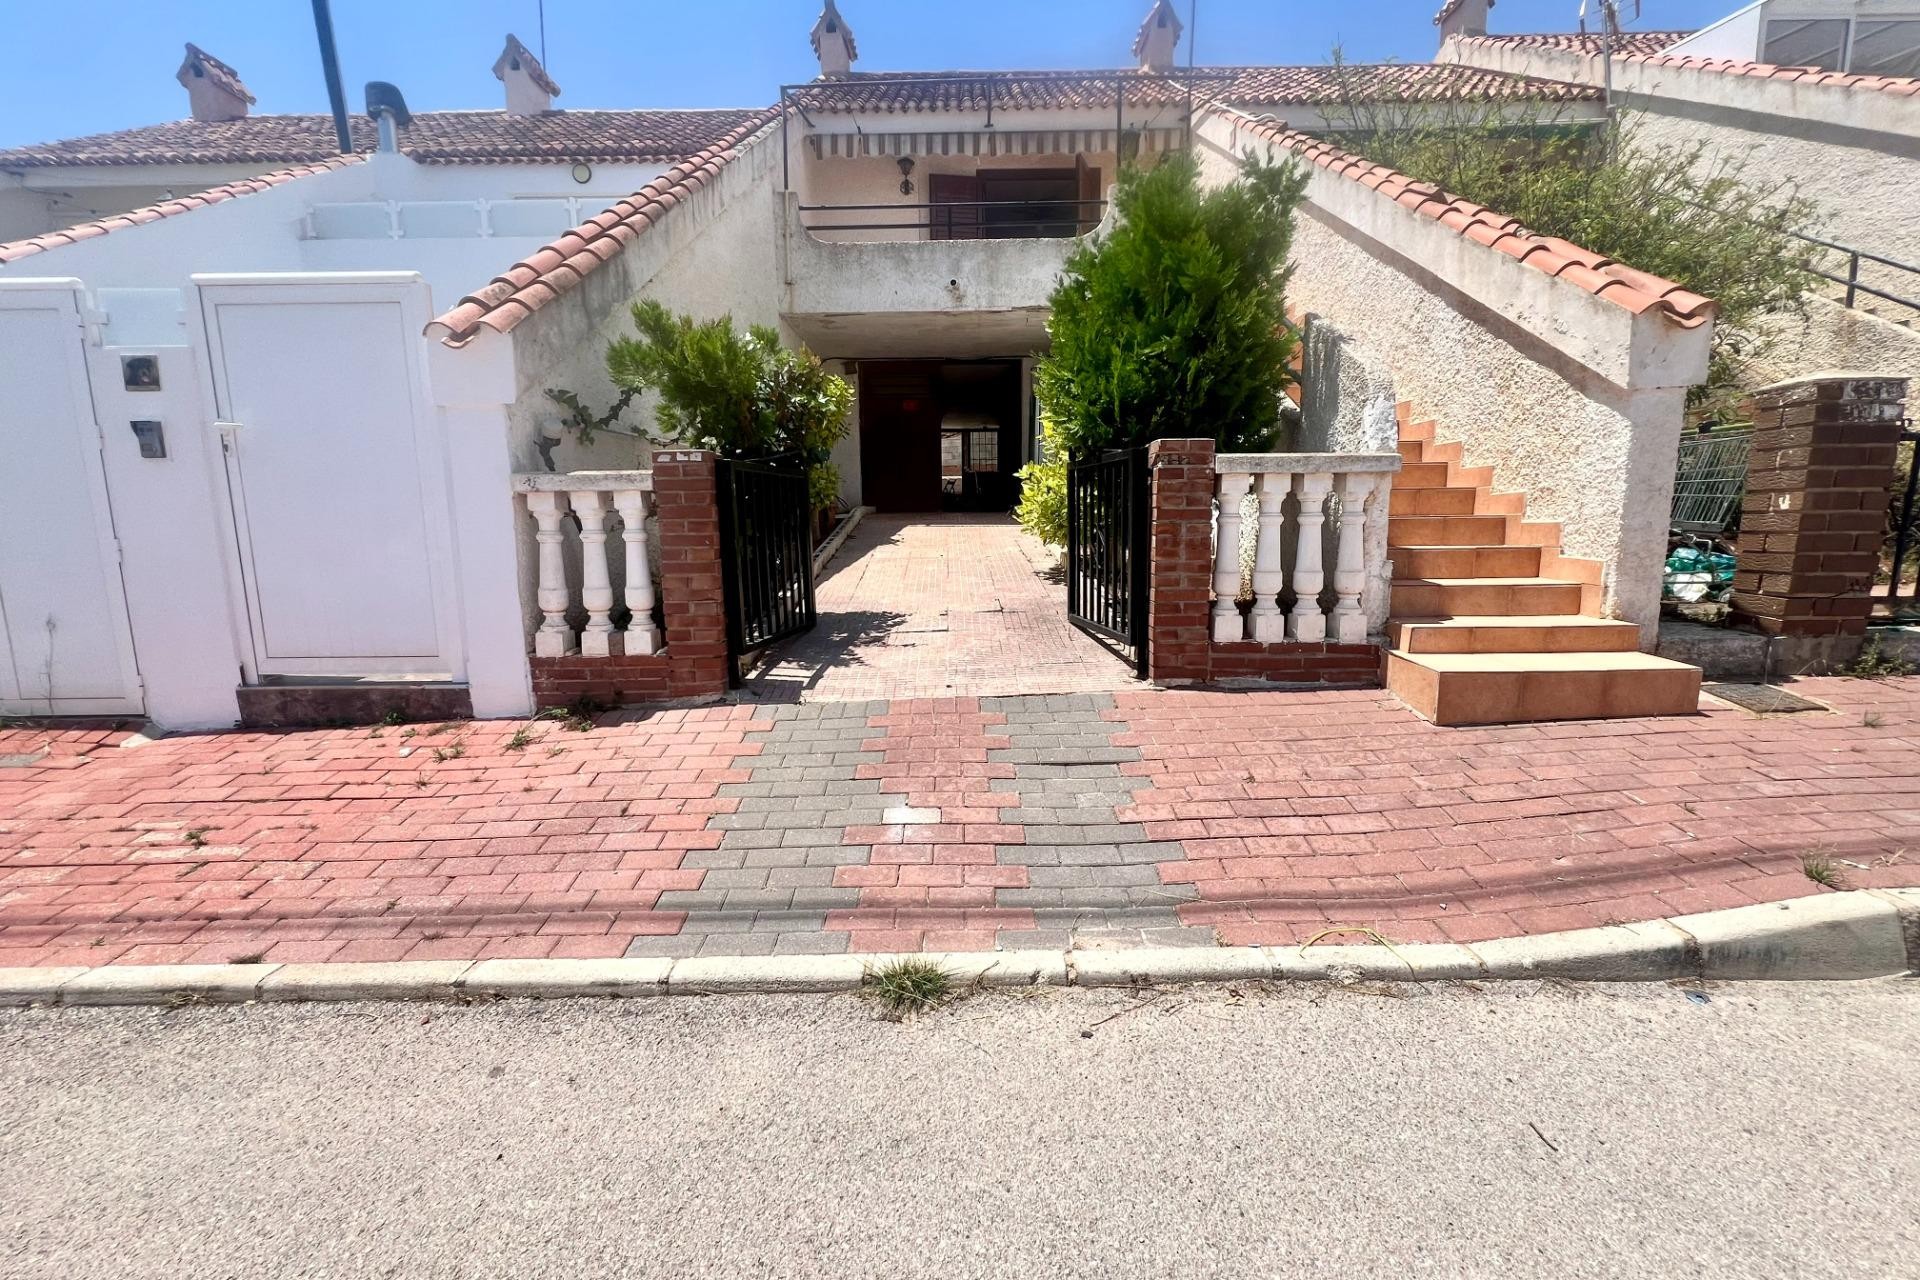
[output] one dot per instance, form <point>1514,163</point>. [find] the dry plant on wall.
<point>1683,212</point>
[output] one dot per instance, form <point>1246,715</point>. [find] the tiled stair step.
<point>1432,502</point>
<point>1446,531</point>
<point>1482,597</point>
<point>1504,688</point>
<point>1467,562</point>
<point>1421,475</point>
<point>1413,450</point>
<point>1540,633</point>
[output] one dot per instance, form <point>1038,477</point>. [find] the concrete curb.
<point>1869,933</point>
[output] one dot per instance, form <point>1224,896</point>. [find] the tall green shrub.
<point>1042,510</point>
<point>1171,325</point>
<point>743,395</point>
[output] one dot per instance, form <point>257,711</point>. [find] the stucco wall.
<point>1575,402</point>
<point>1829,336</point>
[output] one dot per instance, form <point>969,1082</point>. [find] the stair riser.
<point>1421,475</point>
<point>1426,600</point>
<point>1467,562</point>
<point>1431,502</point>
<point>1446,531</point>
<point>1414,638</point>
<point>1463,698</point>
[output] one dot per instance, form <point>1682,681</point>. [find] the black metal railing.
<point>1851,280</point>
<point>1903,539</point>
<point>1109,536</point>
<point>766,541</point>
<point>969,219</point>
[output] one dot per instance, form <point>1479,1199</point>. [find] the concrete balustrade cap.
<point>1230,463</point>
<point>581,481</point>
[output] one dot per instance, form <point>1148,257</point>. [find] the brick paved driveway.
<point>1095,819</point>
<point>939,606</point>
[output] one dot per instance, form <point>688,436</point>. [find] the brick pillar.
<point>1180,593</point>
<point>690,586</point>
<point>1816,503</point>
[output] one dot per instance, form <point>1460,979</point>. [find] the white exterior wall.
<point>1575,401</point>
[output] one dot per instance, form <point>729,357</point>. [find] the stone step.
<point>1431,502</point>
<point>1483,597</point>
<point>1538,633</point>
<point>1467,562</point>
<point>1506,688</point>
<point>1446,531</point>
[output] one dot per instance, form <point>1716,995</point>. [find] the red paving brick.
<point>1296,813</point>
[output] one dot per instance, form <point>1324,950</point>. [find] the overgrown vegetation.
<point>1677,211</point>
<point>1875,663</point>
<point>1170,325</point>
<point>1820,870</point>
<point>741,394</point>
<point>908,986</point>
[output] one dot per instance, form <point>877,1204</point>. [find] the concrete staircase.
<point>1490,623</point>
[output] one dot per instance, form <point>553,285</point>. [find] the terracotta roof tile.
<point>435,137</point>
<point>14,251</point>
<point>1587,42</point>
<point>556,268</point>
<point>1636,290</point>
<point>922,91</point>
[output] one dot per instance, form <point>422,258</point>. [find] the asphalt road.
<point>1525,1130</point>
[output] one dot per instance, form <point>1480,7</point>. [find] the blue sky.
<point>113,67</point>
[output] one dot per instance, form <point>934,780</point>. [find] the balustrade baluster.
<point>642,635</point>
<point>596,586</point>
<point>1227,623</point>
<point>1307,623</point>
<point>554,639</point>
<point>1269,575</point>
<point>1350,569</point>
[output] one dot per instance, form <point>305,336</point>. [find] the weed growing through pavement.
<point>196,837</point>
<point>252,957</point>
<point>1874,663</point>
<point>908,986</point>
<point>394,716</point>
<point>519,740</point>
<point>1820,870</point>
<point>444,754</point>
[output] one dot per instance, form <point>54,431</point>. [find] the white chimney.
<point>213,88</point>
<point>1159,37</point>
<point>833,44</point>
<point>530,90</point>
<point>1462,18</point>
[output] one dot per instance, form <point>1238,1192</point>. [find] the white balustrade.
<point>590,496</point>
<point>1331,491</point>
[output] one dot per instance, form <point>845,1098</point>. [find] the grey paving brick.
<point>759,900</point>
<point>737,944</point>
<point>1184,936</point>
<point>1027,897</point>
<point>721,857</point>
<point>756,839</point>
<point>1059,877</point>
<point>736,878</point>
<point>676,947</point>
<point>814,899</point>
<point>846,855</point>
<point>1086,833</point>
<point>800,878</point>
<point>789,921</point>
<point>1035,939</point>
<point>783,857</point>
<point>810,944</point>
<point>692,900</point>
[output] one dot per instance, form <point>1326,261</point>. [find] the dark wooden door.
<point>1089,177</point>
<point>945,222</point>
<point>900,414</point>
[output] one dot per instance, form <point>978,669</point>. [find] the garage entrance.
<point>940,435</point>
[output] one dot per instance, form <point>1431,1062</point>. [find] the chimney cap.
<point>1161,15</point>
<point>518,57</point>
<point>831,23</point>
<point>201,65</point>
<point>385,99</point>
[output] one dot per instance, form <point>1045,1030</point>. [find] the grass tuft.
<point>519,740</point>
<point>908,986</point>
<point>1874,663</point>
<point>1820,870</point>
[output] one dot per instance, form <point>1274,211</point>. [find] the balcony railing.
<point>962,219</point>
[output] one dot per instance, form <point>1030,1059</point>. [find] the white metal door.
<point>65,644</point>
<point>337,472</point>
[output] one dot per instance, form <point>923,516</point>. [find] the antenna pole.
<point>330,67</point>
<point>543,32</point>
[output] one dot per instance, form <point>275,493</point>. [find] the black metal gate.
<point>1902,602</point>
<point>1109,536</point>
<point>766,553</point>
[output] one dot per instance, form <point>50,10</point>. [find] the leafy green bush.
<point>1170,325</point>
<point>1679,211</point>
<point>1043,490</point>
<point>743,395</point>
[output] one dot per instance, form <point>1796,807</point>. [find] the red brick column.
<point>1180,596</point>
<point>690,586</point>
<point>1816,503</point>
